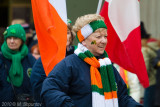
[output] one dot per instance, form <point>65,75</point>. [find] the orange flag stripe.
<point>51,31</point>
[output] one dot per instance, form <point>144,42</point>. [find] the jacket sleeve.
<point>31,59</point>
<point>124,99</point>
<point>56,86</point>
<point>37,77</point>
<point>156,59</point>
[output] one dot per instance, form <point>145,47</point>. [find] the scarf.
<point>104,90</point>
<point>16,69</point>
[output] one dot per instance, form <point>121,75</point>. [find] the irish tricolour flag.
<point>124,39</point>
<point>50,19</point>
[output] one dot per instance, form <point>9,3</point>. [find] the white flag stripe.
<point>60,6</point>
<point>108,0</point>
<point>127,19</point>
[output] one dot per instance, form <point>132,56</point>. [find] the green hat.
<point>15,30</point>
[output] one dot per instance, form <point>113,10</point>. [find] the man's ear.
<point>83,43</point>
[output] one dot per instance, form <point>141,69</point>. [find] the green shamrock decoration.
<point>13,31</point>
<point>93,42</point>
<point>29,70</point>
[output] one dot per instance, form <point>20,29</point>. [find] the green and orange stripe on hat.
<point>104,90</point>
<point>88,29</point>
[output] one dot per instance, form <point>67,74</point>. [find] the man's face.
<point>96,42</point>
<point>14,43</point>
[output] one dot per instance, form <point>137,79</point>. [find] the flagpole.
<point>99,6</point>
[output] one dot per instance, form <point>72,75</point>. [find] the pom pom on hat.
<point>15,30</point>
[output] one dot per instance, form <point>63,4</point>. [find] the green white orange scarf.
<point>104,90</point>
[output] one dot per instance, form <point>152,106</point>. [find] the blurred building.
<point>15,9</point>
<point>22,9</point>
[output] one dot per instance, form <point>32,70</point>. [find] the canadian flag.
<point>124,39</point>
<point>50,19</point>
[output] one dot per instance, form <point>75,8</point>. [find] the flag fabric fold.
<point>50,19</point>
<point>124,38</point>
